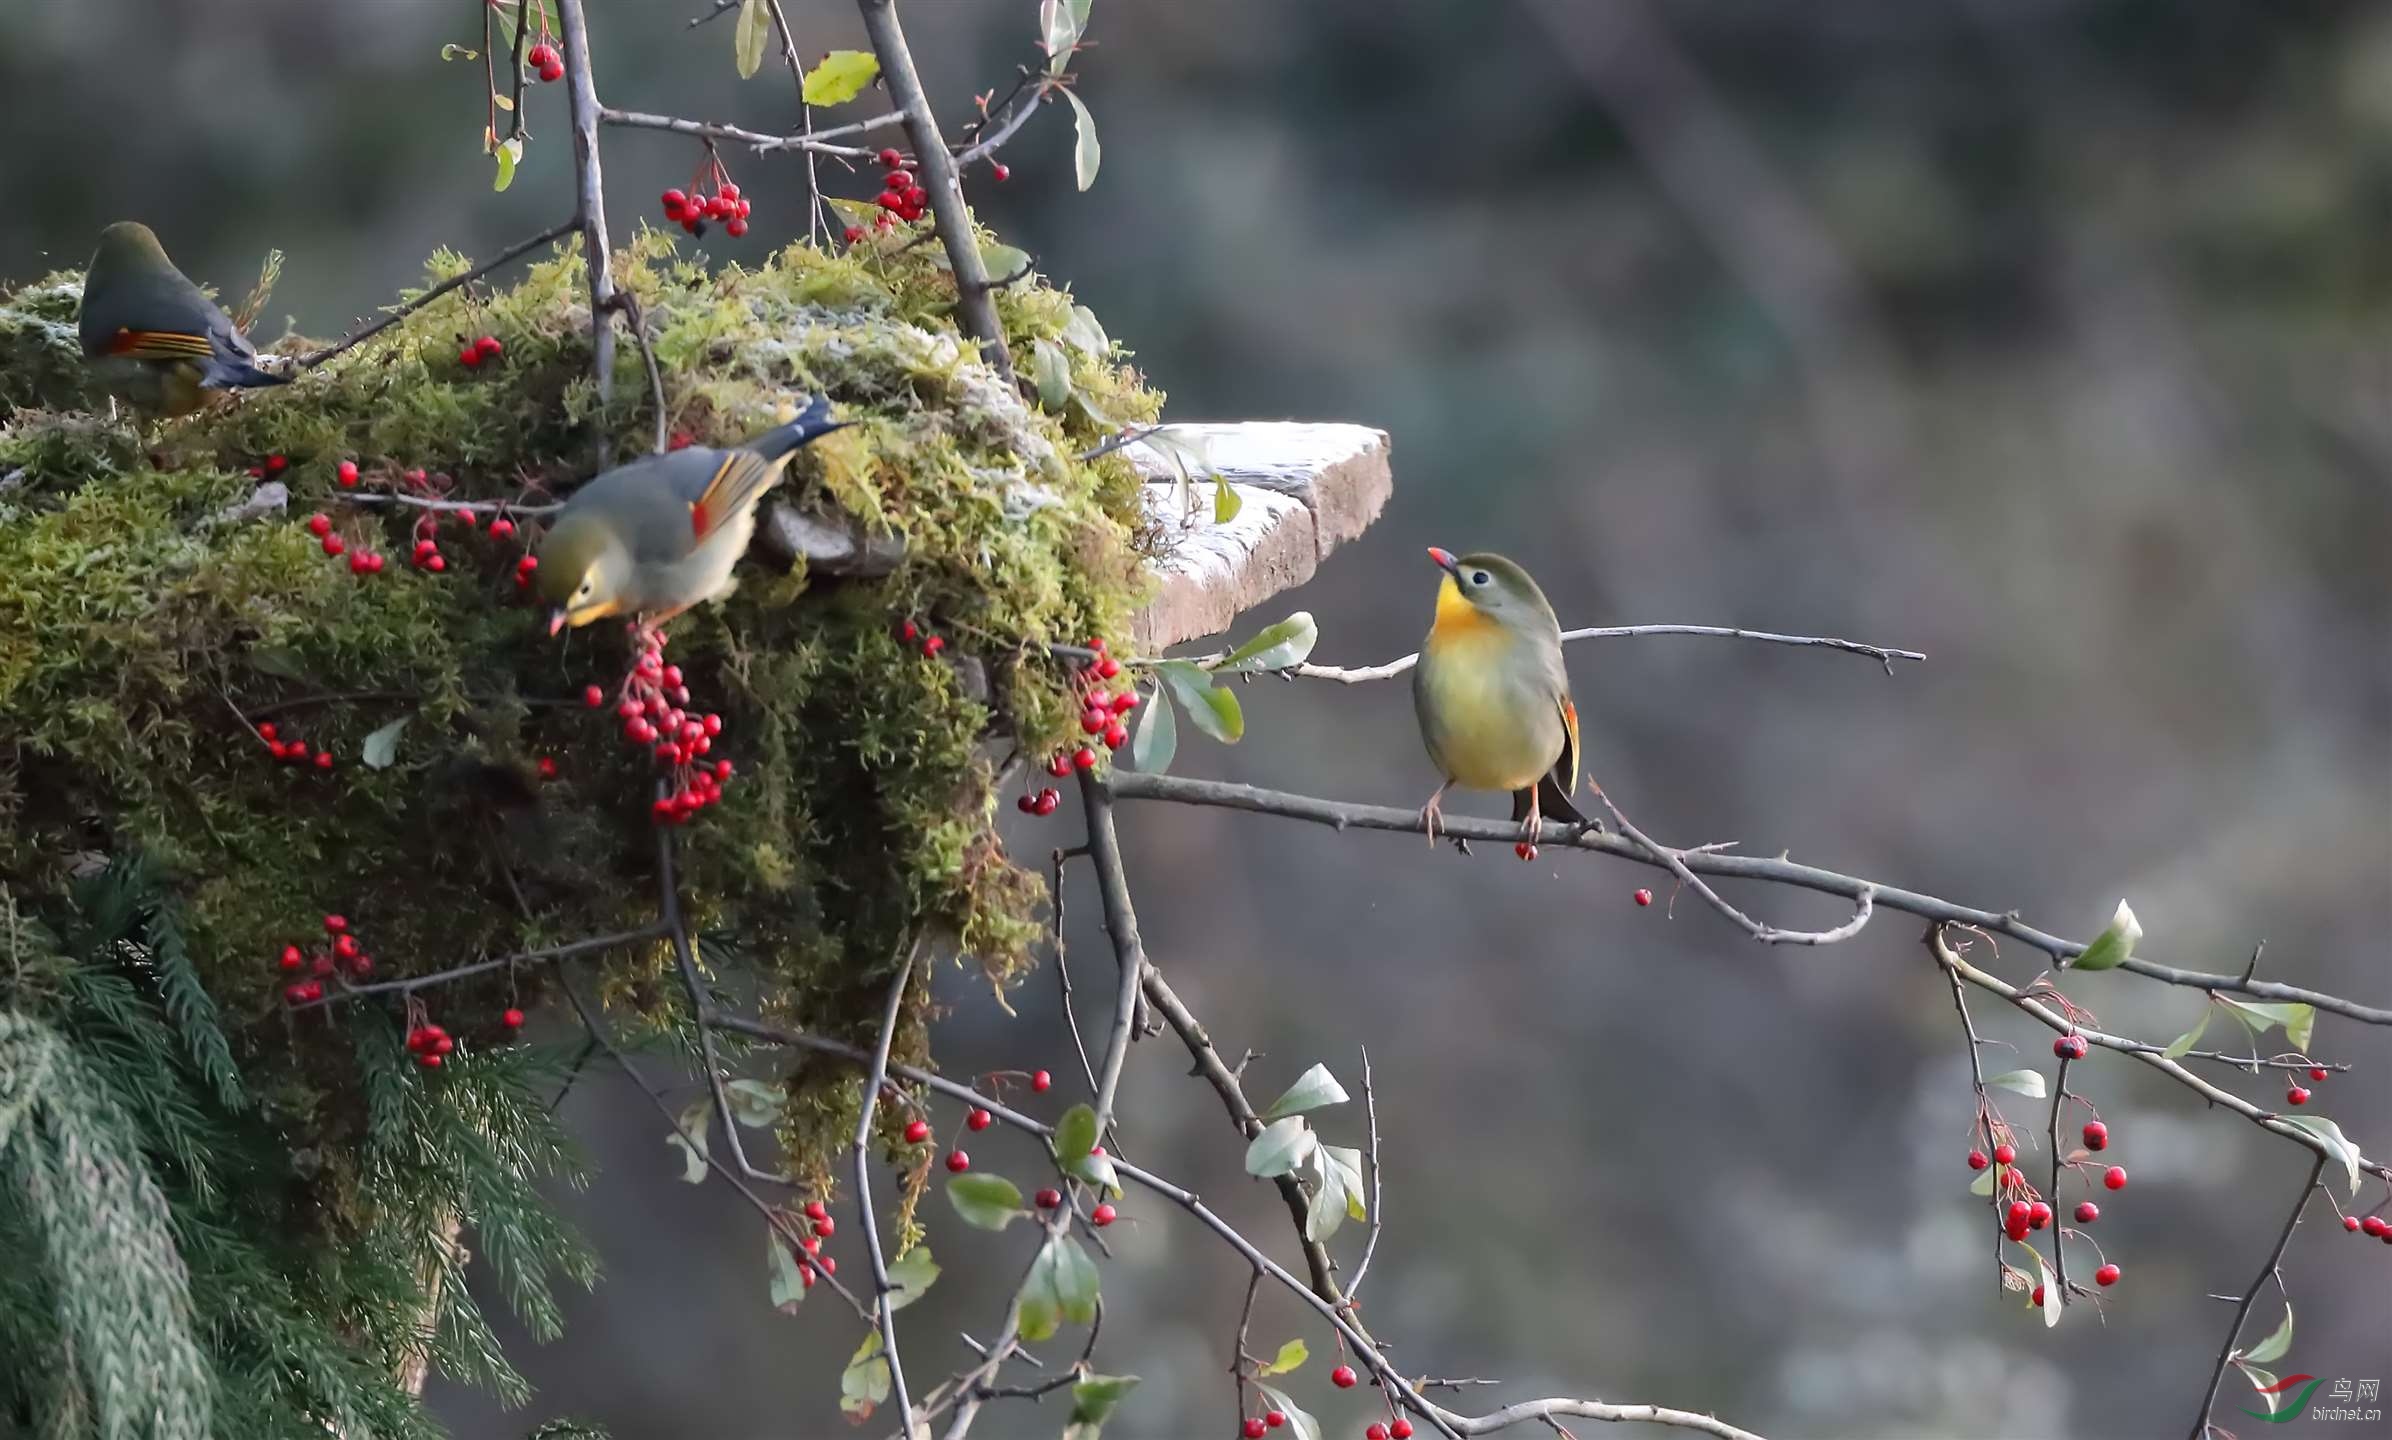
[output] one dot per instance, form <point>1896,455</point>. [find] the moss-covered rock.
<point>146,632</point>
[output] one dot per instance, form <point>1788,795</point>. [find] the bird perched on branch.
<point>150,335</point>
<point>1492,696</point>
<point>654,537</point>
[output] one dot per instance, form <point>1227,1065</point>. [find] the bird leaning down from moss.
<point>149,334</point>
<point>1492,695</point>
<point>652,538</point>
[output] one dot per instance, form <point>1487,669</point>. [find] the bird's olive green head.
<point>584,564</point>
<point>1489,587</point>
<point>130,246</point>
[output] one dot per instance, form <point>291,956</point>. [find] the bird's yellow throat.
<point>1457,618</point>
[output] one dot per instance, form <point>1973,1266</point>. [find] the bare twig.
<point>414,983</point>
<point>668,904</point>
<point>589,190</point>
<point>1132,785</point>
<point>757,140</point>
<point>1370,1247</point>
<point>2242,1311</point>
<point>1884,655</point>
<point>1121,924</point>
<point>629,304</point>
<point>1863,904</point>
<point>401,311</point>
<point>974,307</point>
<point>1063,975</point>
<point>1019,109</point>
<point>873,1078</point>
<point>2059,1222</point>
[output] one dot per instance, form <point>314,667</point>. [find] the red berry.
<point>1253,1427</point>
<point>889,200</point>
<point>722,769</point>
<point>1047,1199</point>
<point>335,924</point>
<point>322,967</point>
<point>442,1044</point>
<point>345,946</point>
<point>1342,1377</point>
<point>334,545</point>
<point>916,1131</point>
<point>2114,1178</point>
<point>2087,1212</point>
<point>526,565</point>
<point>1644,897</point>
<point>1000,171</point>
<point>1083,758</point>
<point>267,731</point>
<point>932,646</point>
<point>1101,1215</point>
<point>2296,1096</point>
<point>1976,1160</point>
<point>2069,1047</point>
<point>958,1162</point>
<point>735,227</point>
<point>2376,1226</point>
<point>1274,1418</point>
<point>1401,1429</point>
<point>1525,850</point>
<point>2038,1215</point>
<point>1107,668</point>
<point>2005,1154</point>
<point>675,200</point>
<point>1116,735</point>
<point>890,159</point>
<point>2037,1297</point>
<point>826,1227</point>
<point>1125,702</point>
<point>347,472</point>
<point>512,1019</point>
<point>2097,1135</point>
<point>898,180</point>
<point>436,564</point>
<point>1374,1431</point>
<point>2106,1275</point>
<point>276,464</point>
<point>1040,1081</point>
<point>978,1120</point>
<point>1027,804</point>
<point>291,958</point>
<point>730,191</point>
<point>1094,721</point>
<point>2350,1223</point>
<point>852,234</point>
<point>592,696</point>
<point>2021,1213</point>
<point>469,356</point>
<point>489,347</point>
<point>1096,643</point>
<point>1047,801</point>
<point>916,197</point>
<point>373,564</point>
<point>547,767</point>
<point>429,1062</point>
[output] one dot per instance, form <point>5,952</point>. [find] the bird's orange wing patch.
<point>160,345</point>
<point>1566,768</point>
<point>735,482</point>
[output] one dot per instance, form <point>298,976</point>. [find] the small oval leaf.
<point>990,1202</point>
<point>840,77</point>
<point>1313,1089</point>
<point>1280,1148</point>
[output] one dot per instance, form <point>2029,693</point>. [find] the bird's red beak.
<point>1445,561</point>
<point>556,621</point>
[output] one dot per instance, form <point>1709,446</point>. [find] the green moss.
<point>139,626</point>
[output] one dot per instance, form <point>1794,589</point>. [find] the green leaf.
<point>2053,1300</point>
<point>2183,1044</point>
<point>1058,31</point>
<point>1093,1401</point>
<point>2299,1021</point>
<point>1275,647</point>
<point>1214,709</point>
<point>1075,1139</point>
<point>1336,1174</point>
<point>1086,154</point>
<point>2336,1144</point>
<point>459,52</point>
<point>990,1202</point>
<point>864,1384</point>
<point>756,1104</point>
<point>1061,1285</point>
<point>1983,1184</point>
<point>2274,1346</point>
<point>1083,333</point>
<point>840,77</point>
<point>508,153</point>
<point>1291,1356</point>
<point>1004,262</point>
<point>1313,1089</point>
<point>788,1286</point>
<point>2262,1381</point>
<point>748,38</point>
<point>1226,500</point>
<point>1300,1424</point>
<point>2113,944</point>
<point>2026,1082</point>
<point>693,1148</point>
<point>1280,1148</point>
<point>912,1273</point>
<point>1052,370</point>
<point>382,747</point>
<point>1157,739</point>
<point>277,660</point>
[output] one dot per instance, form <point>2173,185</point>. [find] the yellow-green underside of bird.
<point>134,624</point>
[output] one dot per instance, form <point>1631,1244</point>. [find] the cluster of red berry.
<point>810,1258</point>
<point>340,954</point>
<point>2296,1093</point>
<point>429,1044</point>
<point>292,751</point>
<point>473,353</point>
<point>270,467</point>
<point>2027,1210</point>
<point>2373,1226</point>
<point>908,633</point>
<point>654,719</point>
<point>545,62</point>
<point>691,209</point>
<point>361,562</point>
<point>900,194</point>
<point>1103,716</point>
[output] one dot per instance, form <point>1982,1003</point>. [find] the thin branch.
<point>817,227</point>
<point>1121,923</point>
<point>1024,104</point>
<point>1063,975</point>
<point>1863,905</point>
<point>476,507</point>
<point>668,904</point>
<point>1884,655</point>
<point>974,306</point>
<point>629,304</point>
<point>2059,1222</point>
<point>1370,1247</point>
<point>873,1079</point>
<point>400,312</point>
<point>756,140</point>
<point>589,191</point>
<point>414,983</point>
<point>2242,1311</point>
<point>1340,815</point>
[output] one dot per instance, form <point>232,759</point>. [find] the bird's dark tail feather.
<point>1551,803</point>
<point>808,427</point>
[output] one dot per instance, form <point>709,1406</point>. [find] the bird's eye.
<point>1478,577</point>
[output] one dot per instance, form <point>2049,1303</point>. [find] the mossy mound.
<point>146,626</point>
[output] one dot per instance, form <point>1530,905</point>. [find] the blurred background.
<point>2048,337</point>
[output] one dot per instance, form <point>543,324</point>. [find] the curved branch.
<point>1340,815</point>
<point>1884,655</point>
<point>754,139</point>
<point>513,252</point>
<point>2242,1312</point>
<point>1863,906</point>
<point>873,1076</point>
